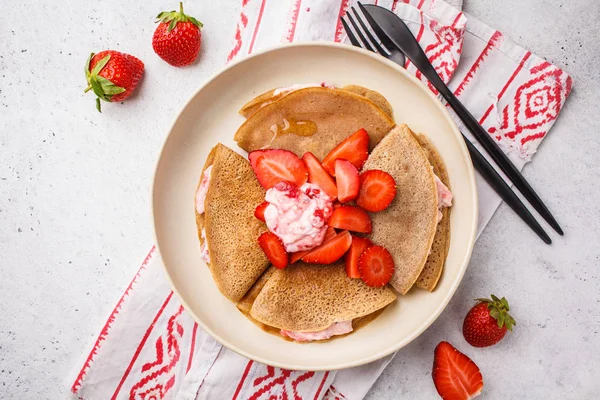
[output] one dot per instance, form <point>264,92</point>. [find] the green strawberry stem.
<point>499,309</point>
<point>102,87</point>
<point>174,17</point>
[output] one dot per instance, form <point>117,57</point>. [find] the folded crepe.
<point>441,241</point>
<point>275,94</point>
<point>407,227</point>
<point>235,259</point>
<point>314,119</point>
<point>309,298</point>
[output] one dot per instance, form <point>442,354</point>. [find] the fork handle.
<point>486,141</point>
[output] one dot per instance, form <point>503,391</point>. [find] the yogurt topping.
<point>298,215</point>
<point>204,248</point>
<point>337,328</point>
<point>202,190</point>
<point>444,196</point>
<point>298,86</point>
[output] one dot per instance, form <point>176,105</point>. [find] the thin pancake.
<point>407,227</point>
<point>372,95</point>
<point>441,242</point>
<point>309,298</point>
<point>270,97</point>
<point>312,119</point>
<point>231,228</point>
<point>259,101</point>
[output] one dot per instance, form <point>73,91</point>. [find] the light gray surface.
<point>75,216</point>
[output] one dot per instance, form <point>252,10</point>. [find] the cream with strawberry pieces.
<point>444,196</point>
<point>298,86</point>
<point>298,215</point>
<point>204,247</point>
<point>337,328</point>
<point>202,190</point>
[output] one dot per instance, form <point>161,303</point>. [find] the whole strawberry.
<point>487,322</point>
<point>177,38</point>
<point>112,75</point>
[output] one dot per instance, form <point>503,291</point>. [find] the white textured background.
<point>75,217</point>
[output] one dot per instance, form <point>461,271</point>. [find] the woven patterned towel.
<point>151,349</point>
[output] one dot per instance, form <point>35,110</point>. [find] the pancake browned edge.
<point>407,227</point>
<point>441,242</point>
<point>236,260</point>
<point>269,97</point>
<point>308,298</point>
<point>314,119</point>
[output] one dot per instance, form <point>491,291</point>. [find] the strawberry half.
<point>331,250</point>
<point>274,249</point>
<point>350,218</point>
<point>359,244</point>
<point>259,211</point>
<point>348,182</point>
<point>276,165</point>
<point>456,376</point>
<point>376,266</point>
<point>329,234</point>
<point>354,148</point>
<point>377,190</point>
<point>318,175</point>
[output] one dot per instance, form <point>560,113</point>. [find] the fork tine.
<point>374,42</point>
<point>350,34</point>
<point>380,35</point>
<point>364,40</point>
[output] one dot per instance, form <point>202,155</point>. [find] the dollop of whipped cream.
<point>298,86</point>
<point>337,328</point>
<point>204,248</point>
<point>298,215</point>
<point>202,190</point>
<point>444,196</point>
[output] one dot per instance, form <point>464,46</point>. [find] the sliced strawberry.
<point>354,148</point>
<point>348,182</point>
<point>359,244</point>
<point>456,376</point>
<point>329,234</point>
<point>350,218</point>
<point>259,211</point>
<point>318,175</point>
<point>276,165</point>
<point>274,249</point>
<point>376,266</point>
<point>331,250</point>
<point>298,255</point>
<point>253,157</point>
<point>377,190</point>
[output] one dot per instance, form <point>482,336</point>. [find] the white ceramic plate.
<point>210,116</point>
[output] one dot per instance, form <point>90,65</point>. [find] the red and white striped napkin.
<point>150,348</point>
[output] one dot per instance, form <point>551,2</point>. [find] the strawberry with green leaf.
<point>177,38</point>
<point>487,322</point>
<point>112,75</point>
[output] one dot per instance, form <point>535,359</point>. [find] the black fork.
<point>368,41</point>
<point>375,44</point>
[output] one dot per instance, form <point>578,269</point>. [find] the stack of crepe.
<point>307,297</point>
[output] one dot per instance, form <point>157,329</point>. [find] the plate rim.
<point>473,228</point>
